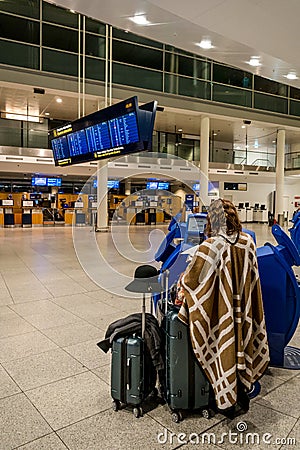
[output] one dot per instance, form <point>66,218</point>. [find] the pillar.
<point>204,160</point>
<point>279,216</point>
<point>127,187</point>
<point>102,213</point>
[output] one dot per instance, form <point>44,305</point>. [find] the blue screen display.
<point>39,181</point>
<point>196,186</point>
<point>152,185</point>
<point>60,148</point>
<point>111,184</point>
<point>163,185</point>
<point>124,130</point>
<point>53,181</point>
<point>98,137</point>
<point>78,143</point>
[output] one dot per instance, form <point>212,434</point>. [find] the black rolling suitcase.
<point>186,386</point>
<point>133,375</point>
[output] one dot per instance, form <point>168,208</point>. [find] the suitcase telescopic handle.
<point>128,373</point>
<point>166,290</point>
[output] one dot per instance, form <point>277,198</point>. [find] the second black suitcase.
<point>133,375</point>
<point>186,386</point>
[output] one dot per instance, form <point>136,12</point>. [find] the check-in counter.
<point>27,206</point>
<point>80,215</point>
<point>242,214</point>
<point>260,215</point>
<point>69,217</point>
<point>249,214</point>
<point>8,211</point>
<point>37,217</point>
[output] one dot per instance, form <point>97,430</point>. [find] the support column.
<point>127,187</point>
<point>102,213</point>
<point>204,160</point>
<point>279,216</point>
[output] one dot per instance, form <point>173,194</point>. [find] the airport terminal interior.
<point>204,108</point>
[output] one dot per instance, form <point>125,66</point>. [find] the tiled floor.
<point>54,380</point>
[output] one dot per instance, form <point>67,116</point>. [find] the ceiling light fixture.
<point>205,44</point>
<point>254,61</point>
<point>59,100</point>
<point>243,126</point>
<point>291,76</point>
<point>47,114</point>
<point>139,19</point>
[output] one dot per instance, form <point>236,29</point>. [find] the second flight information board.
<point>117,130</point>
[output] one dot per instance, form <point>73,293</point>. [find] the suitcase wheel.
<point>176,416</point>
<point>116,405</point>
<point>137,412</point>
<point>206,413</point>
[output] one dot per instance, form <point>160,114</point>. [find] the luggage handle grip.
<point>166,290</point>
<point>128,374</point>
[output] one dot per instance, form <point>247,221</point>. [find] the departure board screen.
<point>78,143</point>
<point>124,130</point>
<point>119,129</point>
<point>60,148</point>
<point>98,137</point>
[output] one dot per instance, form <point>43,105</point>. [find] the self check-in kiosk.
<point>80,216</point>
<point>8,210</point>
<point>27,206</point>
<point>295,230</point>
<point>281,297</point>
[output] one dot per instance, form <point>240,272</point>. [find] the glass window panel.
<point>19,29</point>
<point>197,151</point>
<point>94,26</point>
<point>58,62</point>
<point>35,135</point>
<point>19,55</point>
<point>234,96</point>
<point>269,86</point>
<point>134,76</point>
<point>60,38</point>
<point>140,56</point>
<point>270,103</point>
<point>187,66</point>
<point>94,45</point>
<point>121,34</point>
<point>172,144</point>
<point>55,14</point>
<point>10,132</point>
<point>294,108</point>
<point>187,86</point>
<point>95,69</point>
<point>179,51</point>
<point>295,93</point>
<point>28,8</point>
<point>229,75</point>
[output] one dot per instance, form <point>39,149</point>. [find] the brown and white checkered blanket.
<point>223,307</point>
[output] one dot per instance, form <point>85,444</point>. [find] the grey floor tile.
<point>37,370</point>
<point>67,335</point>
<point>67,401</point>
<point>103,373</point>
<point>293,439</point>
<point>89,354</point>
<point>12,325</point>
<point>6,301</point>
<point>283,374</point>
<point>24,345</point>
<point>44,321</point>
<point>7,385</point>
<point>64,288</point>
<point>94,309</point>
<point>268,426</point>
<point>193,421</point>
<point>102,322</point>
<point>114,431</point>
<point>285,398</point>
<point>20,422</point>
<point>38,307</point>
<point>49,442</point>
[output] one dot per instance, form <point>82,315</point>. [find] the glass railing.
<point>292,161</point>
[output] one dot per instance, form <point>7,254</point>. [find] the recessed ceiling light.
<point>180,130</point>
<point>47,114</point>
<point>215,134</point>
<point>254,61</point>
<point>59,100</point>
<point>140,19</point>
<point>205,44</point>
<point>243,126</point>
<point>72,11</point>
<point>291,76</point>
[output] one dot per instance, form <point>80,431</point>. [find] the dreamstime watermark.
<point>110,261</point>
<point>237,437</point>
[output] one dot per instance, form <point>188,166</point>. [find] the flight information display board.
<point>114,131</point>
